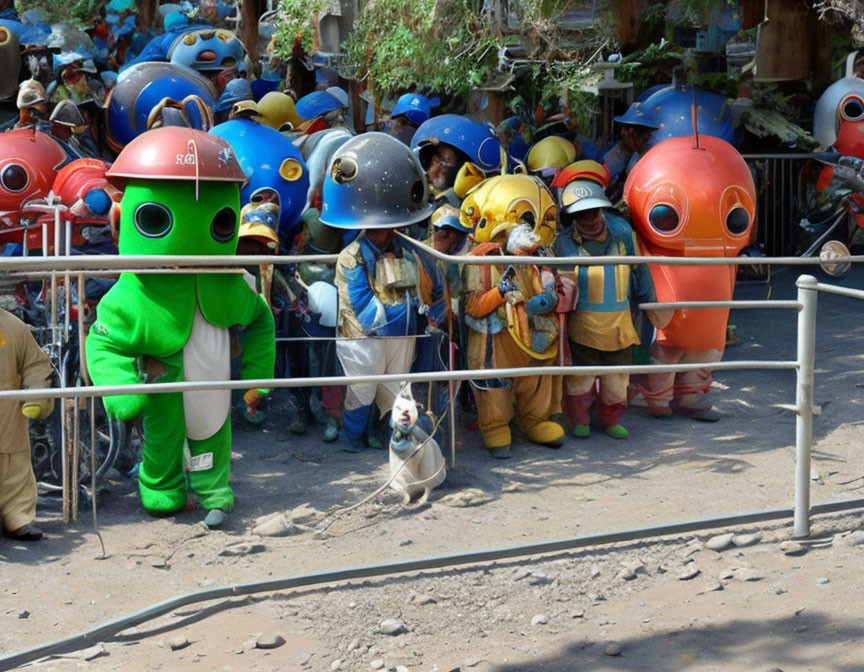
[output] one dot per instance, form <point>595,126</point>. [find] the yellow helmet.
<point>260,221</point>
<point>468,177</point>
<point>551,152</point>
<point>503,202</point>
<point>277,109</point>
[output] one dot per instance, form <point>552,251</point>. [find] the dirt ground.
<point>667,604</point>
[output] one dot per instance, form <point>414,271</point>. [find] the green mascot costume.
<point>182,197</point>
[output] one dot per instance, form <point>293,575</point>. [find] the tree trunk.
<point>250,10</point>
<point>146,12</point>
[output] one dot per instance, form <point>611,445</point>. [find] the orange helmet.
<point>586,169</point>
<point>692,201</point>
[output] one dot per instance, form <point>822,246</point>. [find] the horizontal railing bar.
<point>842,291</point>
<point>103,262</point>
<point>794,305</point>
<point>613,259</point>
<point>110,628</point>
<point>84,262</point>
<point>399,378</point>
<point>140,271</point>
<point>303,339</point>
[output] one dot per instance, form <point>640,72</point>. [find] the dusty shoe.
<point>706,414</point>
<point>296,421</point>
<point>660,412</point>
<point>28,532</point>
<point>581,431</point>
<point>500,452</point>
<point>331,432</point>
<point>214,518</point>
<point>545,433</point>
<point>351,444</point>
<point>616,432</point>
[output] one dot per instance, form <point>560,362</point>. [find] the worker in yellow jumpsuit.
<point>508,312</point>
<point>23,365</point>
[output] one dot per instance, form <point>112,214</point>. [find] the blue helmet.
<point>414,106</point>
<point>670,109</point>
<point>208,50</point>
<point>472,138</point>
<point>636,115</point>
<point>236,90</point>
<point>315,104</point>
<point>273,165</point>
<point>142,88</point>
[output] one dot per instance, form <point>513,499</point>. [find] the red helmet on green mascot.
<point>177,153</point>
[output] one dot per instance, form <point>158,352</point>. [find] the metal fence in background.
<point>777,200</point>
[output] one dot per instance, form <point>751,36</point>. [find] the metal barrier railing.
<point>806,305</point>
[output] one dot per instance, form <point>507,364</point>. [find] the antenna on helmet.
<point>192,148</point>
<point>693,116</point>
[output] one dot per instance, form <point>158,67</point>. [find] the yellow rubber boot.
<point>494,412</point>
<point>546,433</point>
<point>497,437</point>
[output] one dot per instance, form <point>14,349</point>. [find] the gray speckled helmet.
<point>830,109</point>
<point>374,181</point>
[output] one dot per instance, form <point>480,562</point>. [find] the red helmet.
<point>28,164</point>
<point>176,153</point>
<point>75,179</point>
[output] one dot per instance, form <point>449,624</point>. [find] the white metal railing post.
<point>807,297</point>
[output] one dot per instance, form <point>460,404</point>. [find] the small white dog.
<point>416,463</point>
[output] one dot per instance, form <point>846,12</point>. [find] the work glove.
<point>541,304</point>
<point>31,410</point>
<point>507,282</point>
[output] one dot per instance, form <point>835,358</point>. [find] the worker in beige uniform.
<point>23,365</point>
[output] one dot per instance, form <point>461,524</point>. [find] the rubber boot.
<point>215,518</point>
<point>578,410</point>
<point>546,433</point>
<point>494,412</point>
<point>577,419</point>
<point>608,415</point>
<point>706,413</point>
<point>297,422</point>
<point>378,436</point>
<point>331,432</point>
<point>616,431</point>
<point>353,432</point>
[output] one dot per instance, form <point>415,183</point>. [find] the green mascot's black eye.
<point>224,225</point>
<point>153,220</point>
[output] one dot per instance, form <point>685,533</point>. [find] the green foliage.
<point>439,45</point>
<point>297,19</point>
<point>685,12</point>
<point>77,12</point>
<point>644,67</point>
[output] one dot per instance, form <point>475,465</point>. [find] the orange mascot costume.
<point>690,197</point>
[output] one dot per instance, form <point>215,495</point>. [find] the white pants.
<point>374,356</point>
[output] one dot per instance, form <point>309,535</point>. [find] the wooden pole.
<point>250,10</point>
<point>146,10</point>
